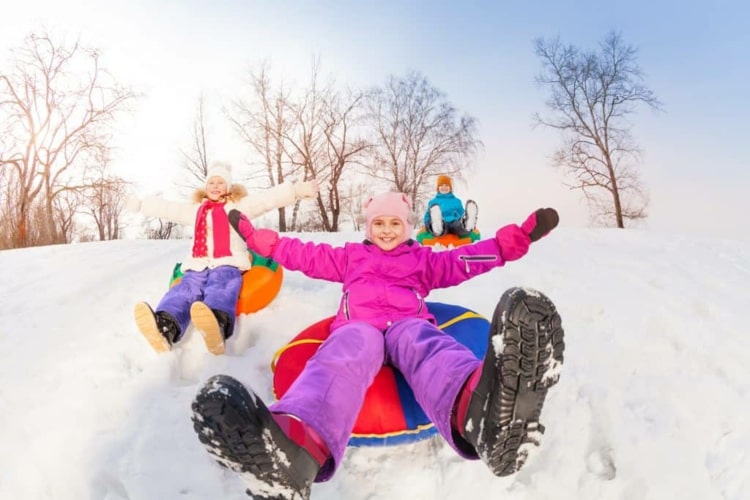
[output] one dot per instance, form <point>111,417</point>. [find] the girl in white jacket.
<point>208,291</point>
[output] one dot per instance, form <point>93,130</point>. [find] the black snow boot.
<point>160,329</point>
<point>239,432</point>
<point>215,326</point>
<point>502,417</point>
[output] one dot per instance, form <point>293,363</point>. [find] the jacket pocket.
<point>476,258</point>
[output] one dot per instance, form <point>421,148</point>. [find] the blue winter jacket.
<point>451,207</point>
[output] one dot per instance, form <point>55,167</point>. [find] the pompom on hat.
<point>388,204</point>
<point>220,169</point>
<point>444,179</point>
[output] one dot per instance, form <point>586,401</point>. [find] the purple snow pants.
<point>330,391</point>
<point>218,288</point>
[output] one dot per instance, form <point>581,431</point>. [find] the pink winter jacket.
<point>381,287</point>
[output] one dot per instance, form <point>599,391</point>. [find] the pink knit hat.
<point>388,204</point>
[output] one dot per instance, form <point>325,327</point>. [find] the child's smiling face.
<point>387,232</point>
<point>444,188</point>
<point>216,187</point>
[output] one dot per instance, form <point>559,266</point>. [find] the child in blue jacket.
<point>445,212</point>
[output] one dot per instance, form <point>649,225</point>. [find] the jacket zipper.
<point>346,305</point>
<point>476,258</point>
<point>421,300</point>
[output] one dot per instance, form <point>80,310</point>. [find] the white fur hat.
<point>220,169</point>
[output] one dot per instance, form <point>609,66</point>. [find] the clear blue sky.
<point>695,58</point>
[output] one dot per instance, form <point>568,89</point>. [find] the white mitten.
<point>308,189</point>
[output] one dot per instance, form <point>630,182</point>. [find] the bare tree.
<point>105,200</point>
<point>8,196</point>
<point>196,160</point>
<point>158,229</point>
<point>591,96</point>
<point>346,146</point>
<point>352,204</point>
<point>56,105</point>
<point>303,141</point>
<point>262,121</point>
<point>324,140</point>
<point>418,136</point>
<point>64,208</point>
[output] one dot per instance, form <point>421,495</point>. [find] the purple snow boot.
<point>239,432</point>
<point>498,410</point>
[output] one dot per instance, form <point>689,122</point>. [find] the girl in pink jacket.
<point>485,409</point>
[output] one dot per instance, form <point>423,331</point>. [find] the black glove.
<point>541,222</point>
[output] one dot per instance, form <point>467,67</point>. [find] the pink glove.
<point>261,241</point>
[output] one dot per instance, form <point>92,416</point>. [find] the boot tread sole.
<point>533,349</point>
<point>436,228</point>
<point>230,424</point>
<point>206,323</point>
<point>470,215</point>
<point>145,320</point>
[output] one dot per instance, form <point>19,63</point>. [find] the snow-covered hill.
<point>652,402</point>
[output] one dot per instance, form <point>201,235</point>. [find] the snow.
<point>652,401</point>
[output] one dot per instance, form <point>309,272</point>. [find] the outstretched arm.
<point>154,206</point>
<point>510,243</point>
<point>319,261</point>
<point>306,190</point>
<point>276,197</point>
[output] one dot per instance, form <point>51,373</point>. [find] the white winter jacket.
<point>251,205</point>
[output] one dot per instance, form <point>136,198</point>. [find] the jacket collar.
<point>404,247</point>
